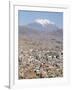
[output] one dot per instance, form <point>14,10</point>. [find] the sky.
<point>26,17</point>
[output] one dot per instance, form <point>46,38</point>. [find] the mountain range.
<point>41,28</point>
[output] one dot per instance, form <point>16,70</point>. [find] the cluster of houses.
<point>40,59</point>
<point>40,55</point>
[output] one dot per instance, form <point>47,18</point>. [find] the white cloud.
<point>44,21</point>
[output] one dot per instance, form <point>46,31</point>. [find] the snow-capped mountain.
<point>43,25</point>
<point>41,28</point>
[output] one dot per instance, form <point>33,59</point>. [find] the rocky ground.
<point>40,63</point>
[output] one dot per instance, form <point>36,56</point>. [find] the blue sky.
<point>26,17</point>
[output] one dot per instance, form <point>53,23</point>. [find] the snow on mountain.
<point>44,22</point>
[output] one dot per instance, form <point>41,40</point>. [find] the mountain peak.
<point>43,25</point>
<point>44,22</point>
